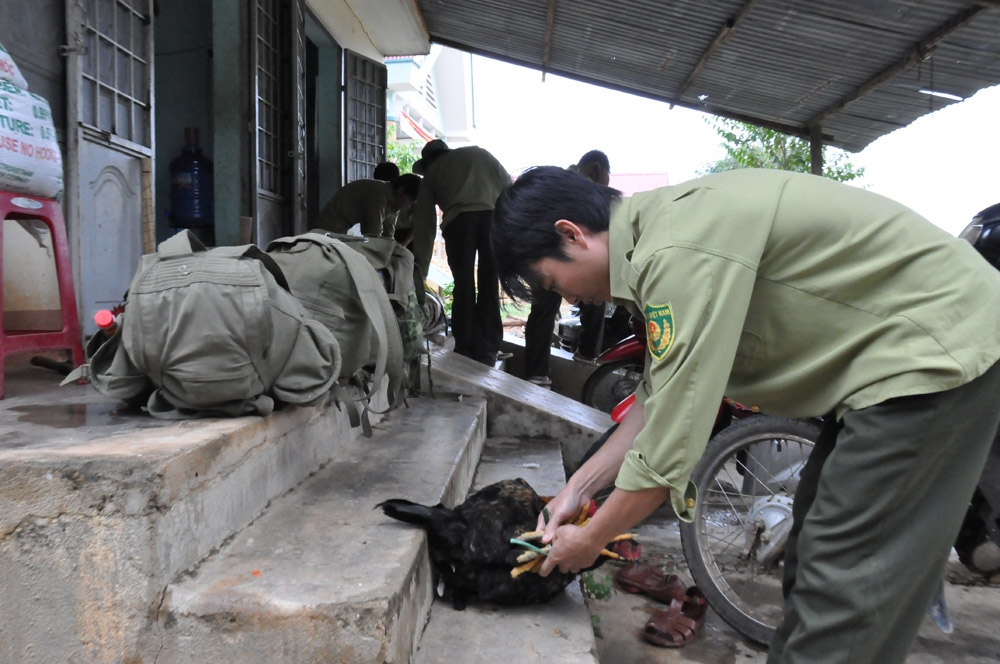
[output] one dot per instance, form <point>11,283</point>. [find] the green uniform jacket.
<point>367,202</point>
<point>793,293</point>
<point>401,221</point>
<point>465,179</point>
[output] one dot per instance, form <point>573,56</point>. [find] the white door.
<point>109,133</point>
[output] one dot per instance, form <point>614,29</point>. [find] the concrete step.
<point>557,632</point>
<point>104,506</point>
<point>322,576</point>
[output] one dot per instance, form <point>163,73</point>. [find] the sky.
<point>945,165</point>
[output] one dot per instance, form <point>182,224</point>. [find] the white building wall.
<point>436,92</point>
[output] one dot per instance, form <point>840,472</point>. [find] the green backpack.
<point>341,289</point>
<point>395,264</point>
<point>212,332</point>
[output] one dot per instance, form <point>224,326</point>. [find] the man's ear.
<point>569,231</point>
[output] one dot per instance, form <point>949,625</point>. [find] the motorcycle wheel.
<point>432,314</point>
<point>746,480</point>
<point>612,382</point>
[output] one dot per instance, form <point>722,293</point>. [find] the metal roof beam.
<point>720,39</point>
<point>921,51</point>
<point>550,24</point>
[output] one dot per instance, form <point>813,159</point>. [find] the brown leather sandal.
<point>678,625</point>
<point>646,579</point>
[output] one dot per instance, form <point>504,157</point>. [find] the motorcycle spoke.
<point>727,542</point>
<point>733,509</point>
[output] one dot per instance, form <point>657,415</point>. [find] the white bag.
<point>30,160</point>
<point>9,70</point>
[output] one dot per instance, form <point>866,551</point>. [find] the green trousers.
<point>877,510</point>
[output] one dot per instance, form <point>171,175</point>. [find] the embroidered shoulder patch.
<point>659,329</point>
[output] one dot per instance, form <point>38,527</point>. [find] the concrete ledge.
<point>517,408</point>
<point>568,375</point>
<point>322,576</point>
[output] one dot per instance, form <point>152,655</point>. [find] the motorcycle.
<point>619,370</point>
<point>978,543</point>
<point>568,329</point>
<point>433,317</point>
<point>746,482</point>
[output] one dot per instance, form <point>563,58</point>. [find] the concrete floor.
<point>974,606</point>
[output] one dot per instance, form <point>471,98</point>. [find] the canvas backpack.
<point>212,332</point>
<point>395,264</point>
<point>341,289</point>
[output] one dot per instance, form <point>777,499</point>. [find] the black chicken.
<point>470,545</point>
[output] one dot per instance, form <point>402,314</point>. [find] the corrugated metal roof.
<point>853,67</point>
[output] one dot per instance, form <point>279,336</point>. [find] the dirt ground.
<point>619,620</point>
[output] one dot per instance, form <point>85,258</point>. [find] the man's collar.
<point>621,242</point>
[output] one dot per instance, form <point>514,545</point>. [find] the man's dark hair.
<point>523,230</point>
<point>386,171</point>
<point>595,157</point>
<point>409,183</point>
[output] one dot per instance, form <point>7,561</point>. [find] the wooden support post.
<point>816,150</point>
<point>148,208</point>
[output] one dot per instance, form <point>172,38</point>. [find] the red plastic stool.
<point>18,206</point>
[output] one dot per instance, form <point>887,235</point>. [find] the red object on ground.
<point>679,624</point>
<point>648,580</point>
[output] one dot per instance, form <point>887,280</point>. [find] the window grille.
<point>270,98</point>
<point>114,63</point>
<point>365,82</point>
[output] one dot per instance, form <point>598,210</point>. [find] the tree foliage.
<point>751,146</point>
<point>403,155</point>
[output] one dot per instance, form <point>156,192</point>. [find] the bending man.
<point>804,297</point>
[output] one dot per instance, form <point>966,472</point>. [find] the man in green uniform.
<point>804,297</point>
<point>595,166</point>
<point>464,183</point>
<point>371,203</point>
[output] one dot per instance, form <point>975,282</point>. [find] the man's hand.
<point>564,507</point>
<point>575,548</point>
<point>572,551</point>
<point>597,473</point>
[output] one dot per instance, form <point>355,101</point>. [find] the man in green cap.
<point>464,183</point>
<point>804,297</point>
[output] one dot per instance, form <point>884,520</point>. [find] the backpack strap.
<point>389,353</point>
<point>187,243</point>
<point>184,243</point>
